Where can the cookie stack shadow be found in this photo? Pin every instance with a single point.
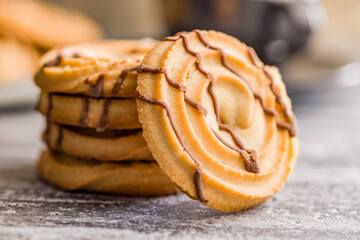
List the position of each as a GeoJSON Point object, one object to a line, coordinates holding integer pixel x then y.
{"type": "Point", "coordinates": [93, 136]}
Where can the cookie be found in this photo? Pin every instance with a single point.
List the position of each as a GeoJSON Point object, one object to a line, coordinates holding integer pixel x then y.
{"type": "Point", "coordinates": [126, 178]}
{"type": "Point", "coordinates": [218, 122]}
{"type": "Point", "coordinates": [102, 49]}
{"type": "Point", "coordinates": [18, 61]}
{"type": "Point", "coordinates": [45, 24]}
{"type": "Point", "coordinates": [100, 69]}
{"type": "Point", "coordinates": [82, 111]}
{"type": "Point", "coordinates": [108, 145]}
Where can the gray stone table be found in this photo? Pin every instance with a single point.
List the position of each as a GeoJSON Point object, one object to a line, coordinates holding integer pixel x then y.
{"type": "Point", "coordinates": [320, 201]}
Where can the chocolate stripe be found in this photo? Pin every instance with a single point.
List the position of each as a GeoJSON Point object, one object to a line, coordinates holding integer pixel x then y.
{"type": "Point", "coordinates": [85, 110]}
{"type": "Point", "coordinates": [198, 174]}
{"type": "Point", "coordinates": [57, 146]}
{"type": "Point", "coordinates": [50, 105]}
{"type": "Point", "coordinates": [249, 163]}
{"type": "Point", "coordinates": [178, 85]}
{"type": "Point", "coordinates": [267, 110]}
{"type": "Point", "coordinates": [196, 105]}
{"type": "Point", "coordinates": [96, 89]}
{"type": "Point", "coordinates": [172, 82]}
{"type": "Point", "coordinates": [55, 62]}
{"type": "Point", "coordinates": [121, 79]}
{"type": "Point", "coordinates": [104, 114]}
{"type": "Point", "coordinates": [106, 134]}
{"type": "Point", "coordinates": [291, 127]}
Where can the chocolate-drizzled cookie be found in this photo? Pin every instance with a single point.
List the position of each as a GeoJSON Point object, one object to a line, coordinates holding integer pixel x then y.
{"type": "Point", "coordinates": [218, 121]}
{"type": "Point", "coordinates": [99, 69]}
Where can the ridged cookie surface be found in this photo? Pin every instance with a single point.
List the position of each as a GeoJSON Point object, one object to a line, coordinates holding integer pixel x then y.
{"type": "Point", "coordinates": [218, 121]}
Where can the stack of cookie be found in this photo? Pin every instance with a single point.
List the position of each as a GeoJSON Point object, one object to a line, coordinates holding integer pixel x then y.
{"type": "Point", "coordinates": [215, 118]}
{"type": "Point", "coordinates": [93, 135]}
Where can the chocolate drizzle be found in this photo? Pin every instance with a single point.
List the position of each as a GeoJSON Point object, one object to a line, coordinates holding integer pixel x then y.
{"type": "Point", "coordinates": [247, 156]}
{"type": "Point", "coordinates": [172, 82]}
{"type": "Point", "coordinates": [50, 105]}
{"type": "Point", "coordinates": [198, 106]}
{"type": "Point", "coordinates": [96, 89]}
{"type": "Point", "coordinates": [290, 126]}
{"type": "Point", "coordinates": [121, 78]}
{"type": "Point", "coordinates": [106, 134]}
{"type": "Point", "coordinates": [96, 92]}
{"type": "Point", "coordinates": [76, 55]}
{"type": "Point", "coordinates": [58, 140]}
{"type": "Point", "coordinates": [104, 115]}
{"type": "Point", "coordinates": [85, 110]}
{"type": "Point", "coordinates": [198, 167]}
{"type": "Point", "coordinates": [55, 62]}
{"type": "Point", "coordinates": [57, 146]}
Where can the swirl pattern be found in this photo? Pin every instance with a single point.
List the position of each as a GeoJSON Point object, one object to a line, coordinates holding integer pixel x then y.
{"type": "Point", "coordinates": [233, 144]}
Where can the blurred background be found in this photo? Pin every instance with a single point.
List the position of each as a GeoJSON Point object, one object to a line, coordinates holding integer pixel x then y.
{"type": "Point", "coordinates": [315, 43]}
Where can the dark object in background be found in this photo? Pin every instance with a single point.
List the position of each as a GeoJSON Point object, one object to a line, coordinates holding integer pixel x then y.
{"type": "Point", "coordinates": [275, 28]}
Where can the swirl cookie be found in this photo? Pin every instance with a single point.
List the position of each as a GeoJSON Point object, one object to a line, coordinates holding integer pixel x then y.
{"type": "Point", "coordinates": [218, 122]}
{"type": "Point", "coordinates": [82, 111]}
{"type": "Point", "coordinates": [99, 69]}
{"type": "Point", "coordinates": [130, 179]}
{"type": "Point", "coordinates": [46, 25]}
{"type": "Point", "coordinates": [108, 145]}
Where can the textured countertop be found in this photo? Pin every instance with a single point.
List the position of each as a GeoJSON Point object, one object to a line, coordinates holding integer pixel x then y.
{"type": "Point", "coordinates": [320, 201]}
